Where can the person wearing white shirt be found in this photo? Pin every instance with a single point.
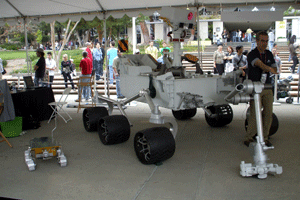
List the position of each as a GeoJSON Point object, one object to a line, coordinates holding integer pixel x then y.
{"type": "Point", "coordinates": [50, 66]}
{"type": "Point", "coordinates": [271, 40]}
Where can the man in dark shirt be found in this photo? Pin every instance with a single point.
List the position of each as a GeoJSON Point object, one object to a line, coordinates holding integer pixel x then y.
{"type": "Point", "coordinates": [39, 67]}
{"type": "Point", "coordinates": [260, 63]}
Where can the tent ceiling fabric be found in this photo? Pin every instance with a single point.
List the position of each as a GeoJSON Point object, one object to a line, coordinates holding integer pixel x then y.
{"type": "Point", "coordinates": [61, 10]}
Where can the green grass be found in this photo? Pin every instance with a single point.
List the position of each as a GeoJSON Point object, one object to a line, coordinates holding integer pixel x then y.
{"type": "Point", "coordinates": [10, 55]}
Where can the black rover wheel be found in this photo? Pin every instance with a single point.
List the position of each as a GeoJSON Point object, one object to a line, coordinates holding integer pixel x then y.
{"type": "Point", "coordinates": [184, 114]}
{"type": "Point", "coordinates": [274, 125]}
{"type": "Point", "coordinates": [289, 100]}
{"type": "Point", "coordinates": [154, 145]}
{"type": "Point", "coordinates": [113, 129]}
{"type": "Point", "coordinates": [91, 117]}
{"type": "Point", "coordinates": [222, 115]}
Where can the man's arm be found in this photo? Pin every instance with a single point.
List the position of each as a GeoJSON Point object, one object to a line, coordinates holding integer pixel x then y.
{"type": "Point", "coordinates": [264, 67]}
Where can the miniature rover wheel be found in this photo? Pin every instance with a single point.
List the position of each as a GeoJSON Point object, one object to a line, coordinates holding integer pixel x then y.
{"type": "Point", "coordinates": [113, 129]}
{"type": "Point", "coordinates": [154, 145]}
{"type": "Point", "coordinates": [289, 100]}
{"type": "Point", "coordinates": [91, 117]}
{"type": "Point", "coordinates": [184, 114]}
{"type": "Point", "coordinates": [274, 126]}
{"type": "Point", "coordinates": [223, 115]}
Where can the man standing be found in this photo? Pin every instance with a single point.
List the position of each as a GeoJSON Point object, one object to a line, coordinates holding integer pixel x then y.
{"type": "Point", "coordinates": [116, 67]}
{"type": "Point", "coordinates": [260, 63]}
{"type": "Point", "coordinates": [239, 35]}
{"type": "Point", "coordinates": [164, 47]}
{"type": "Point", "coordinates": [97, 57]}
{"type": "Point", "coordinates": [112, 52]}
{"type": "Point", "coordinates": [86, 71]}
{"type": "Point", "coordinates": [239, 61]}
{"type": "Point", "coordinates": [249, 32]}
{"type": "Point", "coordinates": [271, 40]}
{"type": "Point", "coordinates": [39, 67]}
{"type": "Point", "coordinates": [152, 50]}
{"type": "Point", "coordinates": [50, 66]}
{"type": "Point", "coordinates": [88, 50]}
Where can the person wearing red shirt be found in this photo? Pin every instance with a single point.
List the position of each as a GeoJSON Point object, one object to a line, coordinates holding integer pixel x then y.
{"type": "Point", "coordinates": [88, 50]}
{"type": "Point", "coordinates": [86, 71]}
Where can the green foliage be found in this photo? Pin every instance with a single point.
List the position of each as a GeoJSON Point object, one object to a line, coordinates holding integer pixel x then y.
{"type": "Point", "coordinates": [30, 38]}
{"type": "Point", "coordinates": [44, 27]}
{"type": "Point", "coordinates": [39, 36]}
{"type": "Point", "coordinates": [23, 70]}
{"type": "Point", "coordinates": [45, 38]}
{"type": "Point", "coordinates": [4, 63]}
{"type": "Point", "coordinates": [10, 46]}
{"type": "Point", "coordinates": [9, 55]}
{"type": "Point", "coordinates": [207, 39]}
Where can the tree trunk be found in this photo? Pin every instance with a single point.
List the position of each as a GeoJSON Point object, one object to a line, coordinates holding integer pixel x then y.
{"type": "Point", "coordinates": [100, 33]}
{"type": "Point", "coordinates": [145, 32]}
{"type": "Point", "coordinates": [78, 38]}
{"type": "Point", "coordinates": [65, 40]}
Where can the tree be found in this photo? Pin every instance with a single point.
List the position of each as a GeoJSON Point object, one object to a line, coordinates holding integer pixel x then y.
{"type": "Point", "coordinates": [64, 41]}
{"type": "Point", "coordinates": [39, 36]}
{"type": "Point", "coordinates": [141, 20]}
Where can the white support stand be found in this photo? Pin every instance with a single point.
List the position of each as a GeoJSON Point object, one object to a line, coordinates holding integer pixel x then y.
{"type": "Point", "coordinates": [260, 166]}
{"type": "Point", "coordinates": [276, 103]}
{"type": "Point", "coordinates": [298, 103]}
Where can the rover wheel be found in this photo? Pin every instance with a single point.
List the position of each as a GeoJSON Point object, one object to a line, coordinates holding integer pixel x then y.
{"type": "Point", "coordinates": [113, 129]}
{"type": "Point", "coordinates": [289, 100]}
{"type": "Point", "coordinates": [274, 125]}
{"type": "Point", "coordinates": [154, 145]}
{"type": "Point", "coordinates": [222, 115]}
{"type": "Point", "coordinates": [91, 117]}
{"type": "Point", "coordinates": [184, 114]}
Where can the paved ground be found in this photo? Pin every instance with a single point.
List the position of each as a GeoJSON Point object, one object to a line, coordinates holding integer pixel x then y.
{"type": "Point", "coordinates": [205, 164]}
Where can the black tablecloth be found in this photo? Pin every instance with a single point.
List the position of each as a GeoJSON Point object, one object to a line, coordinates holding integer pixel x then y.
{"type": "Point", "coordinates": [33, 103]}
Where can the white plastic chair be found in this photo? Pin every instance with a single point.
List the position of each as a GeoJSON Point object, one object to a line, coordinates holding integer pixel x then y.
{"type": "Point", "coordinates": [58, 106]}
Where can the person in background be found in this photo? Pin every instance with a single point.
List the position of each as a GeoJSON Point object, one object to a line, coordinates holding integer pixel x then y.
{"type": "Point", "coordinates": [88, 50]}
{"type": "Point", "coordinates": [279, 65]}
{"type": "Point", "coordinates": [219, 60]}
{"type": "Point", "coordinates": [102, 60]}
{"type": "Point", "coordinates": [224, 37]}
{"type": "Point", "coordinates": [97, 57]}
{"type": "Point", "coordinates": [293, 54]}
{"type": "Point", "coordinates": [86, 71]}
{"type": "Point", "coordinates": [239, 35]}
{"type": "Point", "coordinates": [137, 51]}
{"type": "Point", "coordinates": [161, 59]}
{"type": "Point", "coordinates": [39, 67]}
{"type": "Point", "coordinates": [112, 53]}
{"type": "Point", "coordinates": [66, 70]}
{"type": "Point", "coordinates": [249, 32]}
{"type": "Point", "coordinates": [152, 50]}
{"type": "Point", "coordinates": [164, 47]}
{"type": "Point", "coordinates": [253, 41]}
{"type": "Point", "coordinates": [260, 63]}
{"type": "Point", "coordinates": [229, 54]}
{"type": "Point", "coordinates": [50, 66]}
{"type": "Point", "coordinates": [239, 60]}
{"type": "Point", "coordinates": [73, 66]}
{"type": "Point", "coordinates": [271, 40]}
{"type": "Point", "coordinates": [116, 67]}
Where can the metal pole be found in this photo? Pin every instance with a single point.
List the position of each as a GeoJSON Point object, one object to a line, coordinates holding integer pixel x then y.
{"type": "Point", "coordinates": [106, 84]}
{"type": "Point", "coordinates": [298, 88]}
{"type": "Point", "coordinates": [275, 103]}
{"type": "Point", "coordinates": [26, 45]}
{"type": "Point", "coordinates": [198, 36]}
{"type": "Point", "coordinates": [133, 35]}
{"type": "Point", "coordinates": [257, 103]}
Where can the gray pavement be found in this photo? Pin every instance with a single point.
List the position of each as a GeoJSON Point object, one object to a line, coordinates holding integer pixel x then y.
{"type": "Point", "coordinates": [204, 166]}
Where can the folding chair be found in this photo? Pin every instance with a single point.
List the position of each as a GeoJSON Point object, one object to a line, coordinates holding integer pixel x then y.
{"type": "Point", "coordinates": [80, 86]}
{"type": "Point", "coordinates": [58, 106]}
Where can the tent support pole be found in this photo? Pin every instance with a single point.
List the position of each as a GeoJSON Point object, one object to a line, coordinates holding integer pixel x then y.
{"type": "Point", "coordinates": [107, 93]}
{"type": "Point", "coordinates": [133, 35]}
{"type": "Point", "coordinates": [26, 45]}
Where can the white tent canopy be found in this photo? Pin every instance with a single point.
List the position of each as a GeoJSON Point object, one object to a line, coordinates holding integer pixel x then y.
{"type": "Point", "coordinates": [61, 10]}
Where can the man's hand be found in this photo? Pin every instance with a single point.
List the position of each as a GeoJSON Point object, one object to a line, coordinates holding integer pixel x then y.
{"type": "Point", "coordinates": [273, 70]}
{"type": "Point", "coordinates": [35, 67]}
